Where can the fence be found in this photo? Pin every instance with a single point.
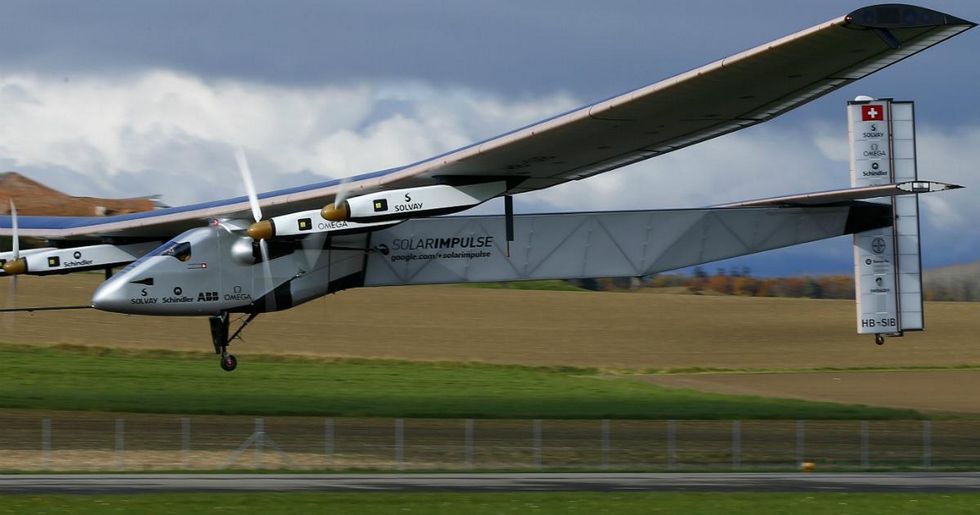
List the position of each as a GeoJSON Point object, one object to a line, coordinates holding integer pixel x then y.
{"type": "Point", "coordinates": [80, 441]}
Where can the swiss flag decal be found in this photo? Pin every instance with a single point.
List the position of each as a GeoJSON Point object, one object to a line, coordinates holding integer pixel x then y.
{"type": "Point", "coordinates": [872, 113]}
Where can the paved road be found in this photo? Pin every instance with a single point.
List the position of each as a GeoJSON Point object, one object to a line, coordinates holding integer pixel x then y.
{"type": "Point", "coordinates": [654, 482]}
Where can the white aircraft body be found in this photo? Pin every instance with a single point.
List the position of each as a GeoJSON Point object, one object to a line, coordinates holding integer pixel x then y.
{"type": "Point", "coordinates": [272, 251]}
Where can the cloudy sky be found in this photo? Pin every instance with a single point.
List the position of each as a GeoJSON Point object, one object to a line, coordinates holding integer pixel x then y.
{"type": "Point", "coordinates": [124, 98]}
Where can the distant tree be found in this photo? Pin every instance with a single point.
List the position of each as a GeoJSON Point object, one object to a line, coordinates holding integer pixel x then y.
{"type": "Point", "coordinates": [621, 283]}
{"type": "Point", "coordinates": [837, 287]}
{"type": "Point", "coordinates": [745, 286]}
{"type": "Point", "coordinates": [669, 280]}
{"type": "Point", "coordinates": [935, 292]}
{"type": "Point", "coordinates": [720, 283]}
{"type": "Point", "coordinates": [698, 280]}
{"type": "Point", "coordinates": [763, 289]}
{"type": "Point", "coordinates": [812, 289]}
{"type": "Point", "coordinates": [966, 291]}
{"type": "Point", "coordinates": [788, 287]}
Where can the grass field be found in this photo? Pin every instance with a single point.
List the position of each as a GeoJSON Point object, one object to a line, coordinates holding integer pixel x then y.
{"type": "Point", "coordinates": [587, 330]}
{"type": "Point", "coordinates": [446, 353]}
{"type": "Point", "coordinates": [169, 382]}
{"type": "Point", "coordinates": [501, 503]}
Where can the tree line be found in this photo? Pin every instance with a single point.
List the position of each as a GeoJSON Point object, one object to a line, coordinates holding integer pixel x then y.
{"type": "Point", "coordinates": [739, 281]}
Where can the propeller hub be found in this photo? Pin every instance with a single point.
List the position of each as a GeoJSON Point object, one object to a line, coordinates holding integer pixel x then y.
{"type": "Point", "coordinates": [15, 266]}
{"type": "Point", "coordinates": [336, 213]}
{"type": "Point", "coordinates": [262, 230]}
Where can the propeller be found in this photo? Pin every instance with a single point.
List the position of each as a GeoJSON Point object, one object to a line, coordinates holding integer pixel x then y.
{"type": "Point", "coordinates": [14, 265]}
{"type": "Point", "coordinates": [262, 229]}
{"type": "Point", "coordinates": [257, 231]}
{"type": "Point", "coordinates": [339, 210]}
{"type": "Point", "coordinates": [253, 198]}
{"type": "Point", "coordinates": [15, 242]}
{"type": "Point", "coordinates": [341, 192]}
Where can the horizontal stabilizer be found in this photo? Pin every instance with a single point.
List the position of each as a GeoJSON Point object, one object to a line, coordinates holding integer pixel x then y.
{"type": "Point", "coordinates": [848, 194]}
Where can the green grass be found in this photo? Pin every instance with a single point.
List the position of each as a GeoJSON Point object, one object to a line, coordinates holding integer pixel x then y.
{"type": "Point", "coordinates": [79, 378]}
{"type": "Point", "coordinates": [500, 503]}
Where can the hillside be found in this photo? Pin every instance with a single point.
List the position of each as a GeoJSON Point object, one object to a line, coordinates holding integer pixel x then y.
{"type": "Point", "coordinates": [34, 198]}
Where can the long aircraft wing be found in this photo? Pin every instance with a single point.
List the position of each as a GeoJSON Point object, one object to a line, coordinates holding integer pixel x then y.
{"type": "Point", "coordinates": [735, 92]}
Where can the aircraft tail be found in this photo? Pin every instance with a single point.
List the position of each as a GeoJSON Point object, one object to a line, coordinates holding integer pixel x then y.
{"type": "Point", "coordinates": [887, 260]}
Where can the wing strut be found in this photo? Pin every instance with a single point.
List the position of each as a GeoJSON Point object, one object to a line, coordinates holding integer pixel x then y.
{"type": "Point", "coordinates": [43, 308]}
{"type": "Point", "coordinates": [509, 220]}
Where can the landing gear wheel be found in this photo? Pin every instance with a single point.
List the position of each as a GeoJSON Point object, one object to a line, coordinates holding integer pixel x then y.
{"type": "Point", "coordinates": [221, 339]}
{"type": "Point", "coordinates": [879, 339]}
{"type": "Point", "coordinates": [228, 362]}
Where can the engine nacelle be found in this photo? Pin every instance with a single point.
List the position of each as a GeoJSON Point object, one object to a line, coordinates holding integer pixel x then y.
{"type": "Point", "coordinates": [307, 222]}
{"type": "Point", "coordinates": [405, 203]}
{"type": "Point", "coordinates": [6, 257]}
{"type": "Point", "coordinates": [76, 259]}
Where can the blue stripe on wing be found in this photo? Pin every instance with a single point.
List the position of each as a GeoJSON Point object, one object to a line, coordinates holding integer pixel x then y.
{"type": "Point", "coordinates": [73, 222]}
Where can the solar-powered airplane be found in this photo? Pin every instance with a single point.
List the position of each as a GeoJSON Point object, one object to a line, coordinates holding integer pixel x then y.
{"type": "Point", "coordinates": [272, 251]}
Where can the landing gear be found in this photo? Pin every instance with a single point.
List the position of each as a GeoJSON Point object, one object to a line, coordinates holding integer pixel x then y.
{"type": "Point", "coordinates": [219, 337]}
{"type": "Point", "coordinates": [879, 339]}
{"type": "Point", "coordinates": [228, 362]}
{"type": "Point", "coordinates": [221, 340]}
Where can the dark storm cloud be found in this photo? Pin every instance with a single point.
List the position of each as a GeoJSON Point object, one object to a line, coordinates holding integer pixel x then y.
{"type": "Point", "coordinates": [588, 48]}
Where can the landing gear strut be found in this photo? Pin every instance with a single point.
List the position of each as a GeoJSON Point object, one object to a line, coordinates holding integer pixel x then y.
{"type": "Point", "coordinates": [221, 340]}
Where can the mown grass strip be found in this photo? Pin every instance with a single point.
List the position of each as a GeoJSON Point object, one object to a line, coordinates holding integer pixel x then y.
{"type": "Point", "coordinates": [154, 382]}
{"type": "Point", "coordinates": [499, 503]}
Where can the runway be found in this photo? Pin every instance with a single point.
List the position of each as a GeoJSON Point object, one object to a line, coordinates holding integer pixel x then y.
{"type": "Point", "coordinates": [620, 482]}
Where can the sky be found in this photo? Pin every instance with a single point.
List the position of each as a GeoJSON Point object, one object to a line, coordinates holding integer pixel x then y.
{"type": "Point", "coordinates": [130, 98]}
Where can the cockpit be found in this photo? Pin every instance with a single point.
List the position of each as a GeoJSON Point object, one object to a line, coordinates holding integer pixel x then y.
{"type": "Point", "coordinates": [162, 281]}
{"type": "Point", "coordinates": [180, 250]}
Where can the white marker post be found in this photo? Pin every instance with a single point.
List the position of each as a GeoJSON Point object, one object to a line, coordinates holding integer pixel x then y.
{"type": "Point", "coordinates": [888, 285]}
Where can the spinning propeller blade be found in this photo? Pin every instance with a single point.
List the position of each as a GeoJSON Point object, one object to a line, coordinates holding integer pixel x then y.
{"type": "Point", "coordinates": [253, 201]}
{"type": "Point", "coordinates": [341, 192]}
{"type": "Point", "coordinates": [253, 198]}
{"type": "Point", "coordinates": [8, 319]}
{"type": "Point", "coordinates": [338, 210]}
{"type": "Point", "coordinates": [14, 230]}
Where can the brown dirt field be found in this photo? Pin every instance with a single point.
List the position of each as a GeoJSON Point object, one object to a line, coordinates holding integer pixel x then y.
{"type": "Point", "coordinates": [927, 390]}
{"type": "Point", "coordinates": [611, 330]}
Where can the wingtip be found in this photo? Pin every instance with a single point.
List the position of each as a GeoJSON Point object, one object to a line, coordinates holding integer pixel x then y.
{"type": "Point", "coordinates": [902, 16]}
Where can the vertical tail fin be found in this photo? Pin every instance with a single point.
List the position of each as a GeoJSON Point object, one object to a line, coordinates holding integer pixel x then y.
{"type": "Point", "coordinates": [887, 264]}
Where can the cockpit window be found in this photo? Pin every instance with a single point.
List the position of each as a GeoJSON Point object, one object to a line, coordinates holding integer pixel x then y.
{"type": "Point", "coordinates": [181, 251]}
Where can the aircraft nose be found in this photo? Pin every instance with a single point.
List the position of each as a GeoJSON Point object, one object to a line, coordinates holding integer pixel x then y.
{"type": "Point", "coordinates": [111, 296]}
